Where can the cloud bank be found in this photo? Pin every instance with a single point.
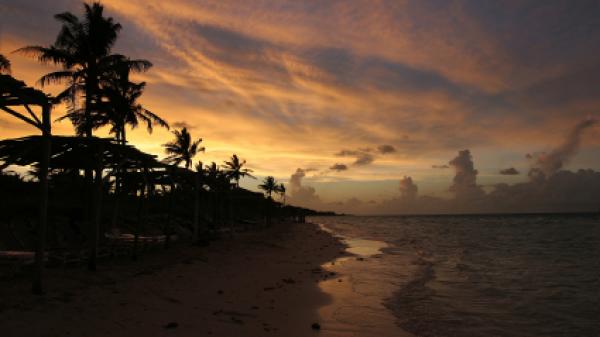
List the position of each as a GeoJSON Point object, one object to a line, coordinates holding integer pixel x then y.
{"type": "Point", "coordinates": [549, 188]}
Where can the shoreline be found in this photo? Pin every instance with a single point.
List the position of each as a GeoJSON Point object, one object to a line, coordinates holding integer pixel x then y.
{"type": "Point", "coordinates": [254, 284]}
{"type": "Point", "coordinates": [358, 297]}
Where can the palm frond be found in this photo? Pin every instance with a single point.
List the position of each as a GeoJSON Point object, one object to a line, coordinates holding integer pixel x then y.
{"type": "Point", "coordinates": [4, 65]}
{"type": "Point", "coordinates": [56, 77]}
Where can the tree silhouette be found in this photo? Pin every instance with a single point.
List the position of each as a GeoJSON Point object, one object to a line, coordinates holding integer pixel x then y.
{"type": "Point", "coordinates": [219, 184]}
{"type": "Point", "coordinates": [82, 48]}
{"type": "Point", "coordinates": [121, 107]}
{"type": "Point", "coordinates": [216, 179]}
{"type": "Point", "coordinates": [234, 168]}
{"type": "Point", "coordinates": [4, 65]}
{"type": "Point", "coordinates": [269, 185]}
{"type": "Point", "coordinates": [182, 149]}
{"type": "Point", "coordinates": [281, 190]}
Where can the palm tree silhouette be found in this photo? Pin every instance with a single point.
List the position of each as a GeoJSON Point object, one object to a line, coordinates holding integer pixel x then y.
{"type": "Point", "coordinates": [269, 185]}
{"type": "Point", "coordinates": [4, 65]}
{"type": "Point", "coordinates": [234, 168]}
{"type": "Point", "coordinates": [182, 149]}
{"type": "Point", "coordinates": [281, 190]}
{"type": "Point", "coordinates": [219, 183]}
{"type": "Point", "coordinates": [82, 48]}
{"type": "Point", "coordinates": [122, 108]}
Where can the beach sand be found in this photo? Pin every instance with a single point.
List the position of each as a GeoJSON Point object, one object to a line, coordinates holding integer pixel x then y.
{"type": "Point", "coordinates": [256, 284]}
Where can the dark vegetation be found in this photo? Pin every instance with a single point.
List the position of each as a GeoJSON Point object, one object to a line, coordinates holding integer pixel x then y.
{"type": "Point", "coordinates": [86, 198]}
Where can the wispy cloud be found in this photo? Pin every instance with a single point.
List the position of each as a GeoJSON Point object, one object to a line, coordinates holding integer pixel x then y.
{"type": "Point", "coordinates": [289, 82]}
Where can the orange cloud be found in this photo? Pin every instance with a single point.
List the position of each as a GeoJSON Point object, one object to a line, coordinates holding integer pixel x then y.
{"type": "Point", "coordinates": [288, 84]}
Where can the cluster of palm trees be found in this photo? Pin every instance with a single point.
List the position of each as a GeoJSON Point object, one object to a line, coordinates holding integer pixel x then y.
{"type": "Point", "coordinates": [100, 93]}
{"type": "Point", "coordinates": [270, 186]}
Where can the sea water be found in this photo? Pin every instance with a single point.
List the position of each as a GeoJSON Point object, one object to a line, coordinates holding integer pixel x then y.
{"type": "Point", "coordinates": [493, 275]}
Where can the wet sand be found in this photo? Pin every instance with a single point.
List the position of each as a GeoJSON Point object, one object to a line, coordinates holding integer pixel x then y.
{"type": "Point", "coordinates": [356, 307]}
{"type": "Point", "coordinates": [255, 284]}
{"type": "Point", "coordinates": [276, 282]}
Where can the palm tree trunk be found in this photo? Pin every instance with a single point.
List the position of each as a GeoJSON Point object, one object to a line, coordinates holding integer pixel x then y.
{"type": "Point", "coordinates": [167, 227]}
{"type": "Point", "coordinates": [115, 217]}
{"type": "Point", "coordinates": [215, 210]}
{"type": "Point", "coordinates": [269, 210]}
{"type": "Point", "coordinates": [97, 214]}
{"type": "Point", "coordinates": [90, 85]}
{"type": "Point", "coordinates": [40, 250]}
{"type": "Point", "coordinates": [230, 214]}
{"type": "Point", "coordinates": [169, 215]}
{"type": "Point", "coordinates": [196, 234]}
{"type": "Point", "coordinates": [140, 218]}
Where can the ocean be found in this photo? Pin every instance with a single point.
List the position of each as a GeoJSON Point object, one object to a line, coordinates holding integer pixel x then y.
{"type": "Point", "coordinates": [490, 275]}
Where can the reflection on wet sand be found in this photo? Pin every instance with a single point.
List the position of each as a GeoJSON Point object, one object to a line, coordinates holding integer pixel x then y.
{"type": "Point", "coordinates": [356, 307]}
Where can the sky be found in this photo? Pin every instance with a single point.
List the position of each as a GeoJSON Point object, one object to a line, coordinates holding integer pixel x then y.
{"type": "Point", "coordinates": [364, 106]}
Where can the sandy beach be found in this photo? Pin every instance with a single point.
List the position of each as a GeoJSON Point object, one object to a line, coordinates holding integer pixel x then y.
{"type": "Point", "coordinates": [254, 284]}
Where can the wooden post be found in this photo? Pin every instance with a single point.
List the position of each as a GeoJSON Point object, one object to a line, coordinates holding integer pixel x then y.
{"type": "Point", "coordinates": [40, 249]}
{"type": "Point", "coordinates": [140, 218]}
{"type": "Point", "coordinates": [196, 233]}
{"type": "Point", "coordinates": [95, 232]}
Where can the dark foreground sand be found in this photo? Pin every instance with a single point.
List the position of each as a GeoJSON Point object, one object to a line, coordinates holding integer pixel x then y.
{"type": "Point", "coordinates": [255, 284]}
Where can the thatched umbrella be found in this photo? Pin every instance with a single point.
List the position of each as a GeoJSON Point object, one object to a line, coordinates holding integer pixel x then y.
{"type": "Point", "coordinates": [79, 153]}
{"type": "Point", "coordinates": [14, 93]}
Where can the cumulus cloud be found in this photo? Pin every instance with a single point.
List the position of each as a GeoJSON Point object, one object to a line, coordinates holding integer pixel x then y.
{"type": "Point", "coordinates": [551, 162]}
{"type": "Point", "coordinates": [305, 196]}
{"type": "Point", "coordinates": [564, 191]}
{"type": "Point", "coordinates": [408, 189]}
{"type": "Point", "coordinates": [511, 171]}
{"type": "Point", "coordinates": [339, 167]}
{"type": "Point", "coordinates": [464, 183]}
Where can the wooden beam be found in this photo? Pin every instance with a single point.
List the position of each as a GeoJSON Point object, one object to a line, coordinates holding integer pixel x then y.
{"type": "Point", "coordinates": [21, 117]}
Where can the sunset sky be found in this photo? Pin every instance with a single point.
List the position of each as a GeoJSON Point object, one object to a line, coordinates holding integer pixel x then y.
{"type": "Point", "coordinates": [352, 96]}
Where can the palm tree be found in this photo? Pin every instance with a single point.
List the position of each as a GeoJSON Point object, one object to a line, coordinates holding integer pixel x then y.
{"type": "Point", "coordinates": [281, 190]}
{"type": "Point", "coordinates": [269, 185]}
{"type": "Point", "coordinates": [117, 104]}
{"type": "Point", "coordinates": [4, 65]}
{"type": "Point", "coordinates": [122, 107]}
{"type": "Point", "coordinates": [234, 168]}
{"type": "Point", "coordinates": [82, 48]}
{"type": "Point", "coordinates": [182, 149]}
{"type": "Point", "coordinates": [219, 183]}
